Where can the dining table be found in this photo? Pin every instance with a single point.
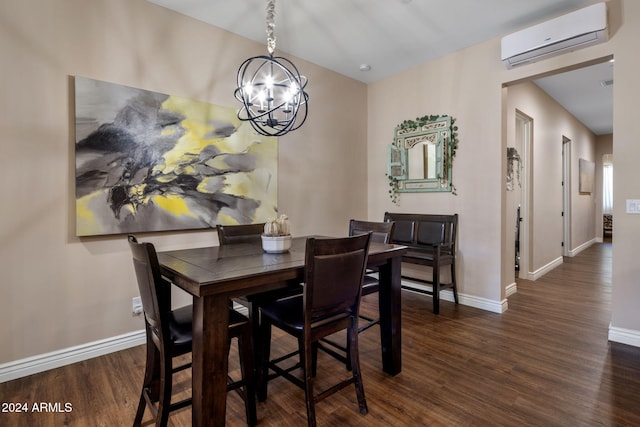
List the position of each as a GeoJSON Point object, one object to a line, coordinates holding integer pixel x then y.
{"type": "Point", "coordinates": [214, 275]}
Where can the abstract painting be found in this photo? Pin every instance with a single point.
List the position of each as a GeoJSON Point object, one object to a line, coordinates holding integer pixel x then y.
{"type": "Point", "coordinates": [146, 161]}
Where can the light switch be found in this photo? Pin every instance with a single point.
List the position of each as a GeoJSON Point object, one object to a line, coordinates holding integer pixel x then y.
{"type": "Point", "coordinates": [136, 303]}
{"type": "Point", "coordinates": [633, 206]}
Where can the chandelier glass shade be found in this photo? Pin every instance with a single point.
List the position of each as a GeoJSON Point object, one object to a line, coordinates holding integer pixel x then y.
{"type": "Point", "coordinates": [271, 90]}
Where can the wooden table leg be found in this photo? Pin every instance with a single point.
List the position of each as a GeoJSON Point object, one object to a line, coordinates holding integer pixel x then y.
{"type": "Point", "coordinates": [210, 360]}
{"type": "Point", "coordinates": [390, 306]}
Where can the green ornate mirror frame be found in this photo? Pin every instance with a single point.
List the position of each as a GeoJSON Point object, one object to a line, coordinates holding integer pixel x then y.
{"type": "Point", "coordinates": [421, 156]}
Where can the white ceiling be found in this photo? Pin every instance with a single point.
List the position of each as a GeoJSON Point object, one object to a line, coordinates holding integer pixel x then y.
{"type": "Point", "coordinates": [393, 35]}
{"type": "Point", "coordinates": [587, 93]}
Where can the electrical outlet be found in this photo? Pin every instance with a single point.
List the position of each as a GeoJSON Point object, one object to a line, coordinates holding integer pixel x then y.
{"type": "Point", "coordinates": [136, 304]}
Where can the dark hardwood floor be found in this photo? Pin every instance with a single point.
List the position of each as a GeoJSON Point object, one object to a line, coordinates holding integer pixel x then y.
{"type": "Point", "coordinates": [544, 362]}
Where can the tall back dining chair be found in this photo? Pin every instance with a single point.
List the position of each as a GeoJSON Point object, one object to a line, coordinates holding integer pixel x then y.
{"type": "Point", "coordinates": [381, 232]}
{"type": "Point", "coordinates": [250, 233]}
{"type": "Point", "coordinates": [244, 233]}
{"type": "Point", "coordinates": [334, 269]}
{"type": "Point", "coordinates": [169, 334]}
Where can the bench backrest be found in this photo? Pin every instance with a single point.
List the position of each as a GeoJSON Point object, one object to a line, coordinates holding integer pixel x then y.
{"type": "Point", "coordinates": [424, 230]}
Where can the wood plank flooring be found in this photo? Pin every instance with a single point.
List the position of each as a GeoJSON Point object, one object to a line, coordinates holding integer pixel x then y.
{"type": "Point", "coordinates": [544, 362]}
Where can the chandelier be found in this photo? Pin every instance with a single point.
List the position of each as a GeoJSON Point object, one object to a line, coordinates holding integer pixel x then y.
{"type": "Point", "coordinates": [271, 89]}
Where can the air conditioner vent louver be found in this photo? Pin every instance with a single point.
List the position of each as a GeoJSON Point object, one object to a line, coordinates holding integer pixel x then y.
{"type": "Point", "coordinates": [576, 30]}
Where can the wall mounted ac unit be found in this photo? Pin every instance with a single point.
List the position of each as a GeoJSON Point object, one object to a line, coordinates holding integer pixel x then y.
{"type": "Point", "coordinates": [582, 28]}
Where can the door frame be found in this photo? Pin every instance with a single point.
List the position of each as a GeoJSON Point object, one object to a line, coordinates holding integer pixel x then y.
{"type": "Point", "coordinates": [566, 196]}
{"type": "Point", "coordinates": [524, 125]}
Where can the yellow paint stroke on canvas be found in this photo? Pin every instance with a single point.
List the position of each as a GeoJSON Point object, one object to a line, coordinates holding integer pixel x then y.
{"type": "Point", "coordinates": [224, 218]}
{"type": "Point", "coordinates": [173, 204]}
{"type": "Point", "coordinates": [198, 127]}
{"type": "Point", "coordinates": [85, 218]}
{"type": "Point", "coordinates": [236, 184]}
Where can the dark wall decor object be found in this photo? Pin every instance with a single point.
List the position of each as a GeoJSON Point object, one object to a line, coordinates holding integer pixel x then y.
{"type": "Point", "coordinates": [421, 156]}
{"type": "Point", "coordinates": [147, 161]}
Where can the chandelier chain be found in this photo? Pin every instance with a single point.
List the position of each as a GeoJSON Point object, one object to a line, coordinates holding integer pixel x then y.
{"type": "Point", "coordinates": [271, 38]}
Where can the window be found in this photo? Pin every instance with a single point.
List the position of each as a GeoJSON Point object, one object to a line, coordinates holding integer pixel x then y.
{"type": "Point", "coordinates": [607, 184]}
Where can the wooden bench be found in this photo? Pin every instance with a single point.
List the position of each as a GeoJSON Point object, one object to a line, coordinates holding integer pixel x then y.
{"type": "Point", "coordinates": [431, 241]}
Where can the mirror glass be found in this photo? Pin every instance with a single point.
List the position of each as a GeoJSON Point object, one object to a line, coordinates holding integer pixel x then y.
{"type": "Point", "coordinates": [422, 161]}
{"type": "Point", "coordinates": [421, 154]}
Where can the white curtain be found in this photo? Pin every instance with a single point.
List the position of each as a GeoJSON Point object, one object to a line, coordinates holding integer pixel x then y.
{"type": "Point", "coordinates": [607, 185]}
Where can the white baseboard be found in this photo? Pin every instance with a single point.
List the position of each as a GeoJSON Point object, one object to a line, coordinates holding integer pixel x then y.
{"type": "Point", "coordinates": [535, 275]}
{"type": "Point", "coordinates": [582, 247]}
{"type": "Point", "coordinates": [511, 289]}
{"type": "Point", "coordinates": [43, 362]}
{"type": "Point", "coordinates": [624, 336]}
{"type": "Point", "coordinates": [472, 301]}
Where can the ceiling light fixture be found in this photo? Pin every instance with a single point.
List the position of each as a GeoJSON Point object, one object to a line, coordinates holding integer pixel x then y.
{"type": "Point", "coordinates": [271, 89]}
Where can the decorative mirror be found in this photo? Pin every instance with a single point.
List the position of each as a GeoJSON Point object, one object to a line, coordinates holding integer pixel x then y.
{"type": "Point", "coordinates": [421, 156]}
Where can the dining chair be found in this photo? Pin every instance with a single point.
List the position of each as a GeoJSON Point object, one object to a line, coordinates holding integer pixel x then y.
{"type": "Point", "coordinates": [251, 233]}
{"type": "Point", "coordinates": [243, 233]}
{"type": "Point", "coordinates": [381, 232]}
{"type": "Point", "coordinates": [169, 335]}
{"type": "Point", "coordinates": [334, 270]}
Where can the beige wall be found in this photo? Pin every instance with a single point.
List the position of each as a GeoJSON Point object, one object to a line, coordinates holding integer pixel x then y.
{"type": "Point", "coordinates": [59, 291]}
{"type": "Point", "coordinates": [465, 85]}
{"type": "Point", "coordinates": [468, 85]}
{"type": "Point", "coordinates": [626, 153]}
